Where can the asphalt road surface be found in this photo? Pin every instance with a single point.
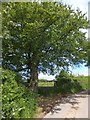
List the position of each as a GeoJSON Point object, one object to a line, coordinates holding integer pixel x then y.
{"type": "Point", "coordinates": [74, 106]}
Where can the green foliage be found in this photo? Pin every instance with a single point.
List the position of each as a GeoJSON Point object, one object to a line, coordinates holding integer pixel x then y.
{"type": "Point", "coordinates": [46, 91]}
{"type": "Point", "coordinates": [0, 95]}
{"type": "Point", "coordinates": [84, 81]}
{"type": "Point", "coordinates": [67, 84]}
{"type": "Point", "coordinates": [64, 84]}
{"type": "Point", "coordinates": [63, 74]}
{"type": "Point", "coordinates": [18, 101]}
{"type": "Point", "coordinates": [46, 34]}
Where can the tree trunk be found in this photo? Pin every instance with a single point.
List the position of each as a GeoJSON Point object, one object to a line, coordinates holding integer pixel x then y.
{"type": "Point", "coordinates": [33, 65]}
{"type": "Point", "coordinates": [33, 83]}
{"type": "Point", "coordinates": [34, 79]}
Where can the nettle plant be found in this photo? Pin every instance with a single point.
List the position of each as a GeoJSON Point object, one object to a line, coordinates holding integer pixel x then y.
{"type": "Point", "coordinates": [18, 101]}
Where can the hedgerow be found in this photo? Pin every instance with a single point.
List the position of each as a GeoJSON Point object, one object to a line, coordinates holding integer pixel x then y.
{"type": "Point", "coordinates": [17, 100]}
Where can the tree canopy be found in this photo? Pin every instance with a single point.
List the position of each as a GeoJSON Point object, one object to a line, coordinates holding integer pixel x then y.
{"type": "Point", "coordinates": [42, 37]}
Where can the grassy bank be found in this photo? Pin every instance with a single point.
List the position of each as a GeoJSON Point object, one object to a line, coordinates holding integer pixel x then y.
{"type": "Point", "coordinates": [84, 81]}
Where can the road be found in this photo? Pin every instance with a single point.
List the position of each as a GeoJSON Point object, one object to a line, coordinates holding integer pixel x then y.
{"type": "Point", "coordinates": [74, 106]}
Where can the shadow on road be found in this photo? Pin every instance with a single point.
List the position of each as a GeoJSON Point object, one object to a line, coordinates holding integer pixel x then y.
{"type": "Point", "coordinates": [48, 104]}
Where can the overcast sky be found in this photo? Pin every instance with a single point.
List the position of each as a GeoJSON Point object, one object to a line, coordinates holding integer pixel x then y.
{"type": "Point", "coordinates": [83, 6]}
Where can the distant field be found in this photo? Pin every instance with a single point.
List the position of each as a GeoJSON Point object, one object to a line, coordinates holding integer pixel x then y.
{"type": "Point", "coordinates": [45, 84]}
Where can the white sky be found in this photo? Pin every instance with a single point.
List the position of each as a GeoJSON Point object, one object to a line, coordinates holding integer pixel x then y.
{"type": "Point", "coordinates": [83, 6]}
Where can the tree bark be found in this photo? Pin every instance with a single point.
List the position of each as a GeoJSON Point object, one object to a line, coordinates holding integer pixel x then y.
{"type": "Point", "coordinates": [33, 62]}
{"type": "Point", "coordinates": [34, 78]}
{"type": "Point", "coordinates": [33, 81]}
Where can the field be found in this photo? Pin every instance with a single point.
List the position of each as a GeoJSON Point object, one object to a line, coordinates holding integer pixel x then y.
{"type": "Point", "coordinates": [45, 84]}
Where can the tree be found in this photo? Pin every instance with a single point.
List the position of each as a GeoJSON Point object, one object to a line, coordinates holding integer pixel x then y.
{"type": "Point", "coordinates": [42, 37]}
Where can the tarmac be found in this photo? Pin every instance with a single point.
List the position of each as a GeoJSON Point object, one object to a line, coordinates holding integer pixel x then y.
{"type": "Point", "coordinates": [74, 106]}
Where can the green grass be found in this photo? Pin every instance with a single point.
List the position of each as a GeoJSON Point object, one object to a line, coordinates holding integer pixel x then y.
{"type": "Point", "coordinates": [45, 84]}
{"type": "Point", "coordinates": [84, 81]}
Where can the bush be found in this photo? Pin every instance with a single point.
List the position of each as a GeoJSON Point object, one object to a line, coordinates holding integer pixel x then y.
{"type": "Point", "coordinates": [18, 101]}
{"type": "Point", "coordinates": [66, 83]}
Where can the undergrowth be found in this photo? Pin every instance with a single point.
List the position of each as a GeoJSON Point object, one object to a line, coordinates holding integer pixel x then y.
{"type": "Point", "coordinates": [18, 101]}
